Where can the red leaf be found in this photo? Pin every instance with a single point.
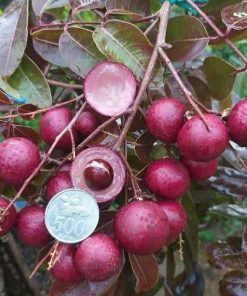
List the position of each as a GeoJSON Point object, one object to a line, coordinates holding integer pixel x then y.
{"type": "Point", "coordinates": [146, 271]}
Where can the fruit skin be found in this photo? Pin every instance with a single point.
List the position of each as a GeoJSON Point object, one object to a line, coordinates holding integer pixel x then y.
{"type": "Point", "coordinates": [197, 143]}
{"type": "Point", "coordinates": [167, 178]}
{"type": "Point", "coordinates": [98, 257]}
{"type": "Point", "coordinates": [141, 227]}
{"type": "Point", "coordinates": [31, 227]}
{"type": "Point", "coordinates": [165, 118]}
{"type": "Point", "coordinates": [86, 123]}
{"type": "Point", "coordinates": [58, 183]}
{"type": "Point", "coordinates": [9, 220]}
{"type": "Point", "coordinates": [200, 170]}
{"type": "Point", "coordinates": [237, 123]}
{"type": "Point", "coordinates": [64, 269]}
{"type": "Point", "coordinates": [18, 159]}
{"type": "Point", "coordinates": [176, 216]}
{"type": "Point", "coordinates": [98, 174]}
{"type": "Point", "coordinates": [53, 123]}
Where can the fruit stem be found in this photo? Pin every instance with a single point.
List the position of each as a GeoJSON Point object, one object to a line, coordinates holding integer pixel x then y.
{"type": "Point", "coordinates": [186, 92]}
{"type": "Point", "coordinates": [218, 31]}
{"type": "Point", "coordinates": [43, 260]}
{"type": "Point", "coordinates": [163, 17]}
{"type": "Point", "coordinates": [65, 85]}
{"type": "Point", "coordinates": [135, 185]}
{"type": "Point", "coordinates": [37, 169]}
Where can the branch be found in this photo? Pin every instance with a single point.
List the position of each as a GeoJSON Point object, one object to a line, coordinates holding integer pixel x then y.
{"type": "Point", "coordinates": [40, 111]}
{"type": "Point", "coordinates": [65, 85]}
{"type": "Point", "coordinates": [186, 92]}
{"type": "Point", "coordinates": [163, 15]}
{"type": "Point", "coordinates": [218, 31]}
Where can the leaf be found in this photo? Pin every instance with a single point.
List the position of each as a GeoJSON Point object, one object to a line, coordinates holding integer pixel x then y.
{"type": "Point", "coordinates": [230, 210]}
{"type": "Point", "coordinates": [125, 43]}
{"type": "Point", "coordinates": [8, 89]}
{"type": "Point", "coordinates": [84, 288]}
{"type": "Point", "coordinates": [229, 181]}
{"type": "Point", "coordinates": [143, 146]}
{"type": "Point", "coordinates": [57, 4]}
{"type": "Point", "coordinates": [226, 254]}
{"type": "Point", "coordinates": [234, 283]}
{"type": "Point", "coordinates": [27, 132]}
{"type": "Point", "coordinates": [107, 137]}
{"type": "Point", "coordinates": [188, 38]}
{"type": "Point", "coordinates": [220, 77]}
{"type": "Point", "coordinates": [138, 7]}
{"type": "Point", "coordinates": [79, 50]}
{"type": "Point", "coordinates": [244, 244]}
{"type": "Point", "coordinates": [235, 16]}
{"type": "Point", "coordinates": [13, 28]}
{"type": "Point", "coordinates": [31, 84]}
{"type": "Point", "coordinates": [46, 43]}
{"type": "Point", "coordinates": [146, 271]}
{"type": "Point", "coordinates": [4, 99]}
{"type": "Point", "coordinates": [26, 109]}
{"type": "Point", "coordinates": [39, 6]}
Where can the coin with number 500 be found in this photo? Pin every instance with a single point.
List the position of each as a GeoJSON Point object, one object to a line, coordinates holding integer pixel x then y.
{"type": "Point", "coordinates": [71, 215]}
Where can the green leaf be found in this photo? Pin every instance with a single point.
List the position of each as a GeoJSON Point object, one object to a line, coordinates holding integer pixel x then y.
{"type": "Point", "coordinates": [220, 77]}
{"type": "Point", "coordinates": [79, 50]}
{"type": "Point", "coordinates": [188, 38]}
{"type": "Point", "coordinates": [137, 7]}
{"type": "Point", "coordinates": [30, 83]}
{"type": "Point", "coordinates": [45, 42]}
{"type": "Point", "coordinates": [13, 28]}
{"type": "Point", "coordinates": [125, 43]}
{"type": "Point", "coordinates": [39, 6]}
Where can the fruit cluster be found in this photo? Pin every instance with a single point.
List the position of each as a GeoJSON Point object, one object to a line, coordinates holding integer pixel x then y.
{"type": "Point", "coordinates": [142, 226]}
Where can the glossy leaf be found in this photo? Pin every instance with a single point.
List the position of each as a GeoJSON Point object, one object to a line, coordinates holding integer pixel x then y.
{"type": "Point", "coordinates": [229, 181]}
{"type": "Point", "coordinates": [8, 89]}
{"type": "Point", "coordinates": [46, 42]}
{"type": "Point", "coordinates": [188, 38]}
{"type": "Point", "coordinates": [226, 253]}
{"type": "Point", "coordinates": [230, 210]}
{"type": "Point", "coordinates": [57, 4]}
{"type": "Point", "coordinates": [4, 99]}
{"type": "Point", "coordinates": [125, 43]}
{"type": "Point", "coordinates": [235, 16]}
{"type": "Point", "coordinates": [13, 28]}
{"type": "Point", "coordinates": [146, 271]}
{"type": "Point", "coordinates": [31, 84]}
{"type": "Point", "coordinates": [137, 7]}
{"type": "Point", "coordinates": [220, 77]}
{"type": "Point", "coordinates": [234, 283]}
{"type": "Point", "coordinates": [26, 109]}
{"type": "Point", "coordinates": [79, 50]}
{"type": "Point", "coordinates": [143, 146]}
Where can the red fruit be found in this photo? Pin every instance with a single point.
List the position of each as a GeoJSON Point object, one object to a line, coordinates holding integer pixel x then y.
{"type": "Point", "coordinates": [53, 123]}
{"type": "Point", "coordinates": [86, 123]}
{"type": "Point", "coordinates": [200, 170]}
{"type": "Point", "coordinates": [58, 183]}
{"type": "Point", "coordinates": [98, 258]}
{"type": "Point", "coordinates": [176, 217]}
{"type": "Point", "coordinates": [165, 118]}
{"type": "Point", "coordinates": [237, 123]}
{"type": "Point", "coordinates": [197, 143]}
{"type": "Point", "coordinates": [31, 227]}
{"type": "Point", "coordinates": [114, 90]}
{"type": "Point", "coordinates": [141, 227]}
{"type": "Point", "coordinates": [167, 178]}
{"type": "Point", "coordinates": [98, 174]}
{"type": "Point", "coordinates": [9, 219]}
{"type": "Point", "coordinates": [64, 269]}
{"type": "Point", "coordinates": [18, 159]}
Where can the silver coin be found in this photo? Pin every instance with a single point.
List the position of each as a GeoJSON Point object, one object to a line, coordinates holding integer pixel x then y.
{"type": "Point", "coordinates": [71, 215]}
